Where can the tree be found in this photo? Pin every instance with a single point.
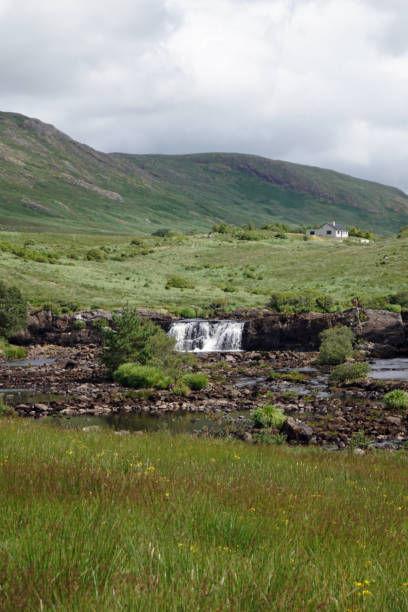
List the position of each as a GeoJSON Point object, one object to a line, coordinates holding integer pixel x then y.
{"type": "Point", "coordinates": [133, 339]}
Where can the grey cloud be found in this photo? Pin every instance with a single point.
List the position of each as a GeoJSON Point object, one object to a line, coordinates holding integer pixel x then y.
{"type": "Point", "coordinates": [313, 81]}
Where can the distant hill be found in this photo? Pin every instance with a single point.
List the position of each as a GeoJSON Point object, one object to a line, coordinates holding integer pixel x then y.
{"type": "Point", "coordinates": [50, 182]}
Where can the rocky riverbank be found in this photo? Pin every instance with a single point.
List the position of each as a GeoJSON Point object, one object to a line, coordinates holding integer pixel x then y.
{"type": "Point", "coordinates": [75, 385]}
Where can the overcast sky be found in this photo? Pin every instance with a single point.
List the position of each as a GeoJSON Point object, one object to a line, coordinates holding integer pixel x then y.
{"type": "Point", "coordinates": [320, 82]}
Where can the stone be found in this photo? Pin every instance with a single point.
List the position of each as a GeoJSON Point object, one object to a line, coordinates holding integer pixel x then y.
{"type": "Point", "coordinates": [297, 431]}
{"type": "Point", "coordinates": [394, 420]}
{"type": "Point", "coordinates": [358, 451]}
{"type": "Point", "coordinates": [91, 428]}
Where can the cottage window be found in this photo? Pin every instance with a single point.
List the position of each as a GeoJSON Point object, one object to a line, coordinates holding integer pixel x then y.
{"type": "Point", "coordinates": [328, 232]}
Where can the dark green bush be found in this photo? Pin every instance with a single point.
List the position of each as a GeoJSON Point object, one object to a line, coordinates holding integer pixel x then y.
{"type": "Point", "coordinates": [268, 416]}
{"type": "Point", "coordinates": [178, 282]}
{"type": "Point", "coordinates": [349, 372]}
{"type": "Point", "coordinates": [13, 310]}
{"type": "Point", "coordinates": [141, 376]}
{"type": "Point", "coordinates": [163, 232]}
{"type": "Point", "coordinates": [336, 345]}
{"type": "Point", "coordinates": [196, 381]}
{"type": "Point", "coordinates": [396, 400]}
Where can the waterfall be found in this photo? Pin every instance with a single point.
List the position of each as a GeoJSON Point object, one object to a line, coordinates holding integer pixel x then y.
{"type": "Point", "coordinates": [207, 336]}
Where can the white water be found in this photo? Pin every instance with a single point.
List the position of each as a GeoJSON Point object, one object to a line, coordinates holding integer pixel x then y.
{"type": "Point", "coordinates": [200, 336]}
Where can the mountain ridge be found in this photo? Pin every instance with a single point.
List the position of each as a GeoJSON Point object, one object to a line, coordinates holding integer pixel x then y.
{"type": "Point", "coordinates": [49, 181]}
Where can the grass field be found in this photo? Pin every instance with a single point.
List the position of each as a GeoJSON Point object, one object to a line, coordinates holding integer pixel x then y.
{"type": "Point", "coordinates": [242, 273]}
{"type": "Point", "coordinates": [97, 521]}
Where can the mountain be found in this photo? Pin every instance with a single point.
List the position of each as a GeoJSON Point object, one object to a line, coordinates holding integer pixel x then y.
{"type": "Point", "coordinates": [48, 181]}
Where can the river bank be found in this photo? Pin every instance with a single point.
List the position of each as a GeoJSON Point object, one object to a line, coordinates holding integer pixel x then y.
{"type": "Point", "coordinates": [65, 383]}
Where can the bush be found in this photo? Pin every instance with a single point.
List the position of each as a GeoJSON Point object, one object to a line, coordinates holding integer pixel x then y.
{"type": "Point", "coordinates": [396, 400]}
{"type": "Point", "coordinates": [134, 339]}
{"type": "Point", "coordinates": [178, 282]}
{"type": "Point", "coordinates": [95, 255]}
{"type": "Point", "coordinates": [349, 372]}
{"type": "Point", "coordinates": [196, 381]}
{"type": "Point", "coordinates": [13, 310]}
{"type": "Point", "coordinates": [163, 232]}
{"type": "Point", "coordinates": [268, 416]}
{"type": "Point", "coordinates": [297, 303]}
{"type": "Point", "coordinates": [141, 376]}
{"type": "Point", "coordinates": [188, 312]}
{"type": "Point", "coordinates": [336, 346]}
{"type": "Point", "coordinates": [181, 389]}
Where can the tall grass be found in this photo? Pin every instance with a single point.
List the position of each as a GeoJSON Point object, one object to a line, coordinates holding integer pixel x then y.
{"type": "Point", "coordinates": [97, 521]}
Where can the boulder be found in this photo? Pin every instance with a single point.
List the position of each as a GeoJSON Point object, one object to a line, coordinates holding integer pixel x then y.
{"type": "Point", "coordinates": [297, 431]}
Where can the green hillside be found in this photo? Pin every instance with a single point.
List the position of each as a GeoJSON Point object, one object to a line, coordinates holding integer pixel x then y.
{"type": "Point", "coordinates": [50, 182]}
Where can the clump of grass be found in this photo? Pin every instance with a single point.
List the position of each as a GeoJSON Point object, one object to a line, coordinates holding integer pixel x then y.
{"type": "Point", "coordinates": [142, 376]}
{"type": "Point", "coordinates": [293, 376]}
{"type": "Point", "coordinates": [5, 409]}
{"type": "Point", "coordinates": [12, 352]}
{"type": "Point", "coordinates": [359, 440]}
{"type": "Point", "coordinates": [396, 400]}
{"type": "Point", "coordinates": [349, 372]}
{"type": "Point", "coordinates": [266, 436]}
{"type": "Point", "coordinates": [268, 416]}
{"type": "Point", "coordinates": [196, 381]}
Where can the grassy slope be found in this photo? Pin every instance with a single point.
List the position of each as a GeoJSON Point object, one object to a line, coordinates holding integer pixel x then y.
{"type": "Point", "coordinates": [94, 521]}
{"type": "Point", "coordinates": [56, 177]}
{"type": "Point", "coordinates": [341, 269]}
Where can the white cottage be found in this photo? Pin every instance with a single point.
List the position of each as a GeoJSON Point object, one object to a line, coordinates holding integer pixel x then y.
{"type": "Point", "coordinates": [329, 230]}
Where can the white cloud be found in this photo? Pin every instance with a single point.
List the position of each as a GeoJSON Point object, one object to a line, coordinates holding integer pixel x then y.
{"type": "Point", "coordinates": [316, 81]}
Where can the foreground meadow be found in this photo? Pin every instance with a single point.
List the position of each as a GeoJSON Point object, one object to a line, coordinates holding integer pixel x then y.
{"type": "Point", "coordinates": [92, 520]}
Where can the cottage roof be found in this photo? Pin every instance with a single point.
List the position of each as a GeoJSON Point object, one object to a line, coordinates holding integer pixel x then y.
{"type": "Point", "coordinates": [341, 228]}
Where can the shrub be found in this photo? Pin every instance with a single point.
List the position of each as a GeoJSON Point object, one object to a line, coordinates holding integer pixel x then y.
{"type": "Point", "coordinates": [141, 376]}
{"type": "Point", "coordinates": [268, 416]}
{"type": "Point", "coordinates": [133, 339]}
{"type": "Point", "coordinates": [336, 345]}
{"type": "Point", "coordinates": [349, 372]}
{"type": "Point", "coordinates": [181, 389]}
{"type": "Point", "coordinates": [196, 381]}
{"type": "Point", "coordinates": [400, 298]}
{"type": "Point", "coordinates": [95, 255]}
{"type": "Point", "coordinates": [13, 310]}
{"type": "Point", "coordinates": [188, 312]}
{"type": "Point", "coordinates": [163, 232]}
{"type": "Point", "coordinates": [290, 302]}
{"type": "Point", "coordinates": [396, 400]}
{"type": "Point", "coordinates": [178, 282]}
